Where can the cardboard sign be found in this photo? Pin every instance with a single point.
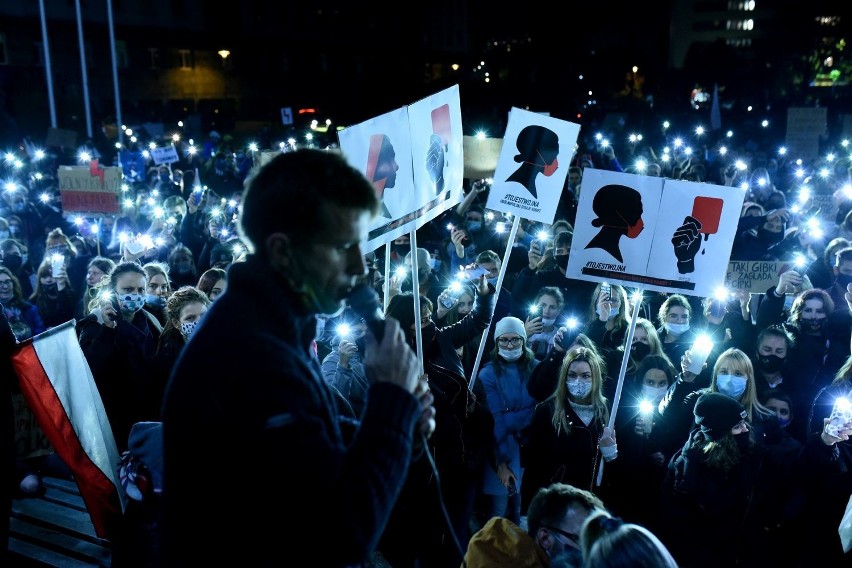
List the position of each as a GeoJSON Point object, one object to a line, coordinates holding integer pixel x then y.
{"type": "Point", "coordinates": [754, 276]}
{"type": "Point", "coordinates": [90, 189]}
{"type": "Point", "coordinates": [165, 155]}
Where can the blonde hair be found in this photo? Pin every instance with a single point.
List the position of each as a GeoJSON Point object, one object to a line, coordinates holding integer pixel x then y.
{"type": "Point", "coordinates": [561, 394]}
{"type": "Point", "coordinates": [733, 357]}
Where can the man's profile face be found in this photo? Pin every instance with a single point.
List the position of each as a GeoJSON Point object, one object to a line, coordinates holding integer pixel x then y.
{"type": "Point", "coordinates": [331, 262]}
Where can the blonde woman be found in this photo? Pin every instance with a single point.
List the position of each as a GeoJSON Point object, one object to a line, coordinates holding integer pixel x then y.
{"type": "Point", "coordinates": [608, 321]}
{"type": "Point", "coordinates": [562, 442]}
{"type": "Point", "coordinates": [733, 375]}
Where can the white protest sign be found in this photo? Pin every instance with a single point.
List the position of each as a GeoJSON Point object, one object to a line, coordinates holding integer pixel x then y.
{"type": "Point", "coordinates": [664, 235]}
{"type": "Point", "coordinates": [533, 165]}
{"type": "Point", "coordinates": [413, 157]}
{"type": "Point", "coordinates": [164, 155]}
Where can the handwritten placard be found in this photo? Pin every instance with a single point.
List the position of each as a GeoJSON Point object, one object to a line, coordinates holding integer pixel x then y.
{"type": "Point", "coordinates": [754, 276]}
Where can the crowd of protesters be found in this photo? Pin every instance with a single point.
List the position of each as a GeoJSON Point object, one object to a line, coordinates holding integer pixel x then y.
{"type": "Point", "coordinates": [751, 477]}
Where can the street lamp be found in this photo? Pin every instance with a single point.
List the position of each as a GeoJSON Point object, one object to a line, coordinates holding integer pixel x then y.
{"type": "Point", "coordinates": [224, 53]}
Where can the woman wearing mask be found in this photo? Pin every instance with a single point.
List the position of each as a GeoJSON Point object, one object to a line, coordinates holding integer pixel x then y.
{"type": "Point", "coordinates": [53, 295]}
{"type": "Point", "coordinates": [504, 379]}
{"type": "Point", "coordinates": [643, 454]}
{"type": "Point", "coordinates": [183, 311]}
{"type": "Point", "coordinates": [119, 339]}
{"type": "Point", "coordinates": [608, 316]}
{"type": "Point", "coordinates": [721, 481]}
{"type": "Point", "coordinates": [674, 331]}
{"type": "Point", "coordinates": [24, 318]}
{"type": "Point", "coordinates": [645, 342]}
{"type": "Point", "coordinates": [460, 300]}
{"type": "Point", "coordinates": [182, 271]}
{"type": "Point", "coordinates": [58, 244]}
{"type": "Point", "coordinates": [733, 376]}
{"type": "Point", "coordinates": [158, 290]}
{"type": "Point", "coordinates": [15, 259]}
{"type": "Point", "coordinates": [569, 431]}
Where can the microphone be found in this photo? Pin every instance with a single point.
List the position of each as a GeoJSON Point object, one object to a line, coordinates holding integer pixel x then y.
{"type": "Point", "coordinates": [365, 302]}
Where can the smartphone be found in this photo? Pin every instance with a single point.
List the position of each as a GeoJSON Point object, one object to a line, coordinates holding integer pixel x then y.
{"type": "Point", "coordinates": [606, 289]}
{"type": "Point", "coordinates": [472, 273]}
{"type": "Point", "coordinates": [841, 413]}
{"type": "Point", "coordinates": [717, 308]}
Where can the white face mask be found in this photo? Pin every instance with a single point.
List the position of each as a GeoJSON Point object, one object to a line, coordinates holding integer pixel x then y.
{"type": "Point", "coordinates": [548, 321]}
{"type": "Point", "coordinates": [187, 328]}
{"type": "Point", "coordinates": [579, 388]}
{"type": "Point", "coordinates": [677, 328]}
{"type": "Point", "coordinates": [653, 394]}
{"type": "Point", "coordinates": [510, 354]}
{"type": "Point", "coordinates": [731, 385]}
{"type": "Point", "coordinates": [612, 313]}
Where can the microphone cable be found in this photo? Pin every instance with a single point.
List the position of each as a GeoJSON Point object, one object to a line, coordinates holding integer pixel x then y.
{"type": "Point", "coordinates": [446, 514]}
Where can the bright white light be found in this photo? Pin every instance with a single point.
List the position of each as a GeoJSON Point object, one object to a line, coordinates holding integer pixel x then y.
{"type": "Point", "coordinates": [729, 134]}
{"type": "Point", "coordinates": [699, 130]}
{"type": "Point", "coordinates": [782, 151]}
{"type": "Point", "coordinates": [740, 165]}
{"type": "Point", "coordinates": [721, 293]}
{"type": "Point", "coordinates": [666, 124]}
{"type": "Point", "coordinates": [723, 150]}
{"type": "Point", "coordinates": [804, 194]}
{"type": "Point", "coordinates": [800, 173]}
{"type": "Point", "coordinates": [824, 173]}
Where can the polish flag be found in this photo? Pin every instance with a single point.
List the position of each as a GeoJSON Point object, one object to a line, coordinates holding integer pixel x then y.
{"type": "Point", "coordinates": [60, 390]}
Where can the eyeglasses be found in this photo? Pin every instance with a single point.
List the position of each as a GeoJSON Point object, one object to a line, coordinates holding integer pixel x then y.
{"type": "Point", "coordinates": [574, 538]}
{"type": "Point", "coordinates": [507, 341]}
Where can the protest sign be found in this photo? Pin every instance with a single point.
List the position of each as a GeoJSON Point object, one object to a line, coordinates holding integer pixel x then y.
{"type": "Point", "coordinates": [165, 155]}
{"type": "Point", "coordinates": [754, 276]}
{"type": "Point", "coordinates": [89, 189]}
{"type": "Point", "coordinates": [664, 235]}
{"type": "Point", "coordinates": [413, 158]}
{"type": "Point", "coordinates": [805, 125]}
{"type": "Point", "coordinates": [528, 180]}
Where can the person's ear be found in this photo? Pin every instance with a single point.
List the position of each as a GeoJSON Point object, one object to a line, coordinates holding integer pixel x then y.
{"type": "Point", "coordinates": [544, 538]}
{"type": "Point", "coordinates": [279, 250]}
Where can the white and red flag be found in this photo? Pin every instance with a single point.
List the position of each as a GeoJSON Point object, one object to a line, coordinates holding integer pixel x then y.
{"type": "Point", "coordinates": [60, 390]}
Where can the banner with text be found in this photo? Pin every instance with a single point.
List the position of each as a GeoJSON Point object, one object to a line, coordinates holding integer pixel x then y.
{"type": "Point", "coordinates": [90, 189]}
{"type": "Point", "coordinates": [663, 235]}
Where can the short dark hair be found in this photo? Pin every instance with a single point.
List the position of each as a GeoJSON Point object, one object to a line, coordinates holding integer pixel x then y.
{"type": "Point", "coordinates": [550, 504]}
{"type": "Point", "coordinates": [401, 308]}
{"type": "Point", "coordinates": [290, 193]}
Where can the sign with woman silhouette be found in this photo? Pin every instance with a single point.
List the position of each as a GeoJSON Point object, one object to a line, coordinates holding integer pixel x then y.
{"type": "Point", "coordinates": [413, 157]}
{"type": "Point", "coordinates": [664, 235]}
{"type": "Point", "coordinates": [528, 180]}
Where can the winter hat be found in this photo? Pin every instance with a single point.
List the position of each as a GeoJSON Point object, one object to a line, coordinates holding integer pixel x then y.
{"type": "Point", "coordinates": [717, 413]}
{"type": "Point", "coordinates": [423, 257]}
{"type": "Point", "coordinates": [510, 324]}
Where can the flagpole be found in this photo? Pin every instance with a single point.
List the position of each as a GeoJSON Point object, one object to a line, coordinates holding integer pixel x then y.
{"type": "Point", "coordinates": [47, 66]}
{"type": "Point", "coordinates": [84, 70]}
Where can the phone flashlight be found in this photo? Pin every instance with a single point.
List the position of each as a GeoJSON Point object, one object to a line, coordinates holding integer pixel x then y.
{"type": "Point", "coordinates": [533, 309]}
{"type": "Point", "coordinates": [646, 408]}
{"type": "Point", "coordinates": [343, 330]}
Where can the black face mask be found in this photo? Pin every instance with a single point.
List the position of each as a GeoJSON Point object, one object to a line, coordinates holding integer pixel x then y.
{"type": "Point", "coordinates": [812, 325]}
{"type": "Point", "coordinates": [12, 262]}
{"type": "Point", "coordinates": [561, 261]}
{"type": "Point", "coordinates": [640, 350]}
{"type": "Point", "coordinates": [743, 441]}
{"type": "Point", "coordinates": [361, 344]}
{"type": "Point", "coordinates": [771, 363]}
{"type": "Point", "coordinates": [50, 288]}
{"type": "Point", "coordinates": [769, 237]}
{"type": "Point", "coordinates": [843, 280]}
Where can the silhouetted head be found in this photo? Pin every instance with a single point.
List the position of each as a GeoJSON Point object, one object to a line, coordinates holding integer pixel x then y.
{"type": "Point", "coordinates": [538, 146]}
{"type": "Point", "coordinates": [617, 206]}
{"type": "Point", "coordinates": [381, 162]}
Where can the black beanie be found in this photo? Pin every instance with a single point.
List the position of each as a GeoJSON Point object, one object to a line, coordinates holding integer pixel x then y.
{"type": "Point", "coordinates": [717, 413]}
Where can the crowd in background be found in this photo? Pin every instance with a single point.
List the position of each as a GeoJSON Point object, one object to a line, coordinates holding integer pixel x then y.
{"type": "Point", "coordinates": [767, 486]}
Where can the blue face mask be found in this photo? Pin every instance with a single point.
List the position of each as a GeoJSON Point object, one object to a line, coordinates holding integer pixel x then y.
{"type": "Point", "coordinates": [731, 385]}
{"type": "Point", "coordinates": [473, 226]}
{"type": "Point", "coordinates": [154, 300]}
{"type": "Point", "coordinates": [435, 263]}
{"type": "Point", "coordinates": [492, 281]}
{"type": "Point", "coordinates": [131, 303]}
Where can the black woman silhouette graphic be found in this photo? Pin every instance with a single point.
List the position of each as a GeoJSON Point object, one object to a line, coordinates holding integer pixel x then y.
{"type": "Point", "coordinates": [537, 151]}
{"type": "Point", "coordinates": [619, 213]}
{"type": "Point", "coordinates": [381, 167]}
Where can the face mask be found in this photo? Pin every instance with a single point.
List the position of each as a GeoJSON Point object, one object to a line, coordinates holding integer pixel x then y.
{"type": "Point", "coordinates": [771, 363]}
{"type": "Point", "coordinates": [653, 394]}
{"type": "Point", "coordinates": [13, 262]}
{"type": "Point", "coordinates": [50, 289]}
{"type": "Point", "coordinates": [769, 237]}
{"type": "Point", "coordinates": [164, 178]}
{"type": "Point", "coordinates": [548, 321]}
{"type": "Point", "coordinates": [435, 263]}
{"type": "Point", "coordinates": [783, 422]}
{"type": "Point", "coordinates": [14, 229]}
{"type": "Point", "coordinates": [843, 280]}
{"type": "Point", "coordinates": [640, 350]}
{"type": "Point", "coordinates": [187, 328]}
{"type": "Point", "coordinates": [612, 313]}
{"type": "Point", "coordinates": [4, 234]}
{"type": "Point", "coordinates": [579, 388]}
{"type": "Point", "coordinates": [131, 303]}
{"type": "Point", "coordinates": [509, 354]}
{"type": "Point", "coordinates": [812, 325]}
{"type": "Point", "coordinates": [561, 261]}
{"type": "Point", "coordinates": [636, 228]}
{"type": "Point", "coordinates": [731, 385]}
{"type": "Point", "coordinates": [154, 301]}
{"type": "Point", "coordinates": [183, 267]}
{"type": "Point", "coordinates": [492, 281]}
{"type": "Point", "coordinates": [24, 258]}
{"type": "Point", "coordinates": [473, 226]}
{"type": "Point", "coordinates": [677, 328]}
{"type": "Point", "coordinates": [550, 169]}
{"type": "Point", "coordinates": [743, 441]}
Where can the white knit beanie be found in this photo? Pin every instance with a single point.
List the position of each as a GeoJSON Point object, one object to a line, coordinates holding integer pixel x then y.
{"type": "Point", "coordinates": [510, 324]}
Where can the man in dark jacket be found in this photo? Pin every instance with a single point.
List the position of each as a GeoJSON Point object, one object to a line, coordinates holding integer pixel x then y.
{"type": "Point", "coordinates": [255, 462]}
